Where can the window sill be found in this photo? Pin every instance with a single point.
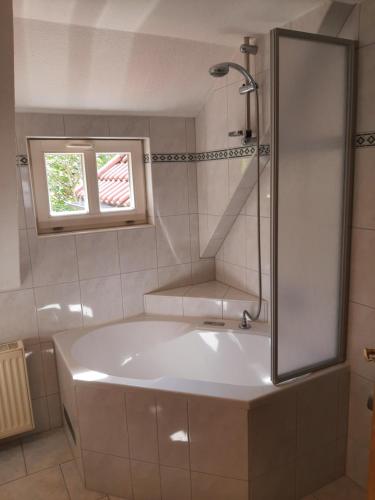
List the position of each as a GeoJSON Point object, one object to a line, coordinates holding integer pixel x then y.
{"type": "Point", "coordinates": [95, 230]}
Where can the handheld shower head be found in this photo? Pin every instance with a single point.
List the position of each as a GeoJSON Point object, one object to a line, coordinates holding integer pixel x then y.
{"type": "Point", "coordinates": [222, 69]}
{"type": "Point", "coordinates": [219, 70]}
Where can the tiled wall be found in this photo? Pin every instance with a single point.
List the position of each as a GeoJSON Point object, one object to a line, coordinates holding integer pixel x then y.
{"type": "Point", "coordinates": [362, 289]}
{"type": "Point", "coordinates": [87, 279]}
{"type": "Point", "coordinates": [225, 111]}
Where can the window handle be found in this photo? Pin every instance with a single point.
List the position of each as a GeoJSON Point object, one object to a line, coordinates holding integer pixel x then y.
{"type": "Point", "coordinates": [79, 145]}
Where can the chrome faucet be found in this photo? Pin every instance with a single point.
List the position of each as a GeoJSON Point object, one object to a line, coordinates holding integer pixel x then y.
{"type": "Point", "coordinates": [245, 320]}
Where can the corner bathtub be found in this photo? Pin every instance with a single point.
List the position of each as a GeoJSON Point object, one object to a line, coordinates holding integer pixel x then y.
{"type": "Point", "coordinates": [165, 408]}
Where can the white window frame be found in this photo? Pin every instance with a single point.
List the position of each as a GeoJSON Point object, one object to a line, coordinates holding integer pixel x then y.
{"type": "Point", "coordinates": [94, 218]}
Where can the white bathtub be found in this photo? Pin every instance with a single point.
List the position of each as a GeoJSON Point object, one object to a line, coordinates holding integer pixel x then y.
{"type": "Point", "coordinates": [152, 395]}
{"type": "Point", "coordinates": [176, 355]}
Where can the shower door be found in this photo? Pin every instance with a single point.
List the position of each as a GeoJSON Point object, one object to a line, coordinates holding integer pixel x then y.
{"type": "Point", "coordinates": [312, 107]}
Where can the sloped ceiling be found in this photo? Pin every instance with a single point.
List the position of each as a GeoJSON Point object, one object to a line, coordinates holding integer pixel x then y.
{"type": "Point", "coordinates": [75, 68]}
{"type": "Point", "coordinates": [138, 56]}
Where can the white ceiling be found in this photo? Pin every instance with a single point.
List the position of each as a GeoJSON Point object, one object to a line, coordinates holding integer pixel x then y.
{"type": "Point", "coordinates": [138, 56]}
{"type": "Point", "coordinates": [215, 21]}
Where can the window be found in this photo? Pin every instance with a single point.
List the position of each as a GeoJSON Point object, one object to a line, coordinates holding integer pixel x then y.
{"type": "Point", "coordinates": [87, 183]}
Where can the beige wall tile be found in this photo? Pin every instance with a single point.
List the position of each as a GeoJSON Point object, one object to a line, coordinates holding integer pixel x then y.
{"type": "Point", "coordinates": [217, 173]}
{"type": "Point", "coordinates": [86, 125]}
{"type": "Point", "coordinates": [207, 487]}
{"type": "Point", "coordinates": [360, 335]}
{"type": "Point", "coordinates": [142, 428]}
{"type": "Point", "coordinates": [58, 307]}
{"type": "Point", "coordinates": [158, 304]}
{"type": "Point", "coordinates": [25, 262]}
{"type": "Point", "coordinates": [29, 124]}
{"type": "Point", "coordinates": [360, 417]}
{"type": "Point", "coordinates": [212, 308]}
{"type": "Point", "coordinates": [315, 469]}
{"type": "Point", "coordinates": [343, 408]}
{"type": "Point", "coordinates": [175, 484]}
{"type": "Point", "coordinates": [170, 181]}
{"type": "Point", "coordinates": [317, 413]}
{"type": "Point", "coordinates": [357, 462]}
{"type": "Point", "coordinates": [97, 254]}
{"type": "Point", "coordinates": [146, 481]}
{"type": "Point", "coordinates": [273, 433]}
{"type": "Point", "coordinates": [102, 420]}
{"type": "Point", "coordinates": [366, 23]}
{"type": "Point", "coordinates": [219, 440]}
{"type": "Point", "coordinates": [17, 315]}
{"type": "Point", "coordinates": [173, 431]}
{"type": "Point", "coordinates": [173, 240]}
{"type": "Point", "coordinates": [362, 279]}
{"type": "Point", "coordinates": [279, 483]}
{"type": "Point", "coordinates": [41, 415]}
{"type": "Point", "coordinates": [168, 135]}
{"type": "Point", "coordinates": [203, 270]}
{"type": "Point", "coordinates": [216, 110]}
{"type": "Point", "coordinates": [35, 371]}
{"type": "Point", "coordinates": [107, 474]}
{"type": "Point", "coordinates": [134, 287]}
{"type": "Point", "coordinates": [192, 188]}
{"type": "Point", "coordinates": [172, 276]}
{"type": "Point", "coordinates": [54, 411]}
{"type": "Point", "coordinates": [128, 126]}
{"type": "Point", "coordinates": [366, 89]}
{"type": "Point", "coordinates": [137, 248]}
{"type": "Point", "coordinates": [49, 367]}
{"type": "Point", "coordinates": [101, 300]}
{"type": "Point", "coordinates": [45, 252]}
{"type": "Point", "coordinates": [363, 203]}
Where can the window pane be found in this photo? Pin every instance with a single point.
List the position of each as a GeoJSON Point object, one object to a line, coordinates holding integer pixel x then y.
{"type": "Point", "coordinates": [66, 183]}
{"type": "Point", "coordinates": [114, 181]}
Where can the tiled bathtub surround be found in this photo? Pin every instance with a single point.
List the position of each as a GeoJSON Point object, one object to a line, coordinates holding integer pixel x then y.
{"type": "Point", "coordinates": [211, 299]}
{"type": "Point", "coordinates": [145, 445]}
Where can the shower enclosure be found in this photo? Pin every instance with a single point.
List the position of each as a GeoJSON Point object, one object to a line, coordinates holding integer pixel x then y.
{"type": "Point", "coordinates": [312, 176]}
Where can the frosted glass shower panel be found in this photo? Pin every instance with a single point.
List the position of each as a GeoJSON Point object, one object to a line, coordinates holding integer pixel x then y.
{"type": "Point", "coordinates": [310, 179]}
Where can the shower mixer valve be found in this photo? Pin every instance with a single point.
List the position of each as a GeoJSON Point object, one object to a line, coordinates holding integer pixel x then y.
{"type": "Point", "coordinates": [247, 136]}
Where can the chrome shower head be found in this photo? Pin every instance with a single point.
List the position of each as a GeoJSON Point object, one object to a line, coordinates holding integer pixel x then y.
{"type": "Point", "coordinates": [222, 69]}
{"type": "Point", "coordinates": [218, 70]}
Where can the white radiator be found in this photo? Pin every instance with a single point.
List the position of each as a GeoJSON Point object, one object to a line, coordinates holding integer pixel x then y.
{"type": "Point", "coordinates": [16, 414]}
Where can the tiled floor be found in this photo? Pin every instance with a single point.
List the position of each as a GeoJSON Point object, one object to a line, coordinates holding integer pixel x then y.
{"type": "Point", "coordinates": [41, 467]}
{"type": "Point", "coordinates": [342, 489]}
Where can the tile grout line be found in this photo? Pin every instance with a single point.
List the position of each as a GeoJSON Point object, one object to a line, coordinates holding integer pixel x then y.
{"type": "Point", "coordinates": [66, 486]}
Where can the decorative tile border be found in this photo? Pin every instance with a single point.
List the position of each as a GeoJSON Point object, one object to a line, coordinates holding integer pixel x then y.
{"type": "Point", "coordinates": [365, 140]}
{"type": "Point", "coordinates": [22, 160]}
{"type": "Point", "coordinates": [220, 154]}
{"type": "Point", "coordinates": [361, 140]}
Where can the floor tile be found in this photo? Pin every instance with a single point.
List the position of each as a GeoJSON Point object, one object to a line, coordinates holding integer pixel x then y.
{"type": "Point", "coordinates": [342, 489]}
{"type": "Point", "coordinates": [44, 485]}
{"type": "Point", "coordinates": [74, 483]}
{"type": "Point", "coordinates": [46, 450]}
{"type": "Point", "coordinates": [12, 465]}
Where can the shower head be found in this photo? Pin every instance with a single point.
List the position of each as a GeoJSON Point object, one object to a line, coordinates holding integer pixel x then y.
{"type": "Point", "coordinates": [222, 69]}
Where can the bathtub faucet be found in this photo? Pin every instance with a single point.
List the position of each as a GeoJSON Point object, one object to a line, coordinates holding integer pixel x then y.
{"type": "Point", "coordinates": [245, 320]}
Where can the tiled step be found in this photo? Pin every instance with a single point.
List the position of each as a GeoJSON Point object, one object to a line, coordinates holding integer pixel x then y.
{"type": "Point", "coordinates": [211, 299]}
